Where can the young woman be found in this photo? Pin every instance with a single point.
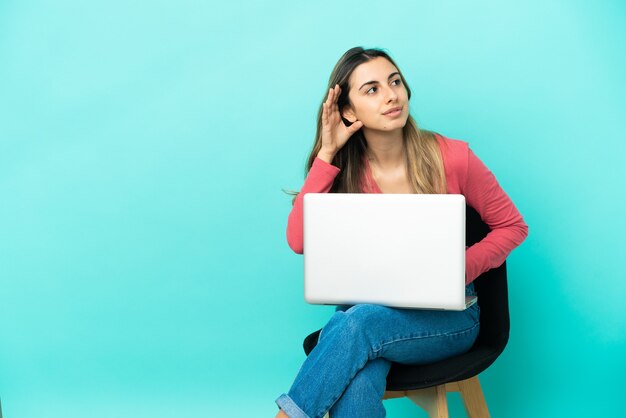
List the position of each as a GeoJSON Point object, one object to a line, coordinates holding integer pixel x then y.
{"type": "Point", "coordinates": [367, 142]}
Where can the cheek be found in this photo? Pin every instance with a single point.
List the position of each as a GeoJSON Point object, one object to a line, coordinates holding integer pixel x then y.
{"type": "Point", "coordinates": [370, 111]}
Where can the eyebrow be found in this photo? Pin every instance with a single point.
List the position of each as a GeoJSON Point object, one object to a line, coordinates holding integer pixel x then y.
{"type": "Point", "coordinates": [376, 82]}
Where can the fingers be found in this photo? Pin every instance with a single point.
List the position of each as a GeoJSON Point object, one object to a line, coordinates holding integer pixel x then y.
{"type": "Point", "coordinates": [336, 92]}
{"type": "Point", "coordinates": [355, 127]}
{"type": "Point", "coordinates": [330, 107]}
{"type": "Point", "coordinates": [330, 104]}
{"type": "Point", "coordinates": [326, 107]}
{"type": "Point", "coordinates": [333, 95]}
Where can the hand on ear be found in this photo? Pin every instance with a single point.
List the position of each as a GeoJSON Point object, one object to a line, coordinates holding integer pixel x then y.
{"type": "Point", "coordinates": [335, 133]}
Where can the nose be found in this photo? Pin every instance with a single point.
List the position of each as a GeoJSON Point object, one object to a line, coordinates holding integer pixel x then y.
{"type": "Point", "coordinates": [392, 95]}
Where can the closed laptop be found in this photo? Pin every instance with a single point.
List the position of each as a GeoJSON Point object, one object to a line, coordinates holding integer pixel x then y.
{"type": "Point", "coordinates": [399, 250]}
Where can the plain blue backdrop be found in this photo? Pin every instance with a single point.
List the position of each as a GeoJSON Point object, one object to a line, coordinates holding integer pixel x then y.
{"type": "Point", "coordinates": [144, 270]}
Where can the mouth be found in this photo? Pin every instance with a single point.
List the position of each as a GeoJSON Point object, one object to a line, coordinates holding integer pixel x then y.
{"type": "Point", "coordinates": [394, 111]}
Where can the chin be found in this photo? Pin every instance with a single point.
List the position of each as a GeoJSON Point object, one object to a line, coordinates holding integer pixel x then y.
{"type": "Point", "coordinates": [398, 124]}
{"type": "Point", "coordinates": [389, 126]}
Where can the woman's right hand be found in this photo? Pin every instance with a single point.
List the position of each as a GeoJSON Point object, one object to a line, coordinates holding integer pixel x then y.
{"type": "Point", "coordinates": [335, 133]}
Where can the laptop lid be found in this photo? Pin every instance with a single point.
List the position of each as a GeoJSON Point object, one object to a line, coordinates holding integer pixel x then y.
{"type": "Point", "coordinates": [400, 250]}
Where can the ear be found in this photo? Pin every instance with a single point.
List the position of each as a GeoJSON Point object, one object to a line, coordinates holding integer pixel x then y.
{"type": "Point", "coordinates": [348, 114]}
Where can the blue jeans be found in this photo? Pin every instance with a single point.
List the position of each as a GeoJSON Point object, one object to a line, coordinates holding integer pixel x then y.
{"type": "Point", "coordinates": [346, 372]}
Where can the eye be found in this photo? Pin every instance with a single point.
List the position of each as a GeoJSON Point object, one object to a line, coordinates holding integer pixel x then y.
{"type": "Point", "coordinates": [397, 81]}
{"type": "Point", "coordinates": [368, 91]}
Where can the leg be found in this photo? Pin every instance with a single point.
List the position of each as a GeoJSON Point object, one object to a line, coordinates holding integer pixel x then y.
{"type": "Point", "coordinates": [364, 395]}
{"type": "Point", "coordinates": [473, 398]}
{"type": "Point", "coordinates": [364, 333]}
{"type": "Point", "coordinates": [340, 354]}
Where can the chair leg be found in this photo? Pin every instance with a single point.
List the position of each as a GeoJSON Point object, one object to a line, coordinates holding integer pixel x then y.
{"type": "Point", "coordinates": [473, 398]}
{"type": "Point", "coordinates": [433, 400]}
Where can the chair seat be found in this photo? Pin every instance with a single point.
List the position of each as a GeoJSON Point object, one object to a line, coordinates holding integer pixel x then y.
{"type": "Point", "coordinates": [464, 366]}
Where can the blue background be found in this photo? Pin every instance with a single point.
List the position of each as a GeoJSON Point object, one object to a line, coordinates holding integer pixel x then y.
{"type": "Point", "coordinates": [144, 270]}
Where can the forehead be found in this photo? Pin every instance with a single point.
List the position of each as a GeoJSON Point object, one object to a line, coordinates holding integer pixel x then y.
{"type": "Point", "coordinates": [377, 69]}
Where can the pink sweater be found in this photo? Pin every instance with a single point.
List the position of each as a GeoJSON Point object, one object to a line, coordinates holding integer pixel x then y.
{"type": "Point", "coordinates": [466, 175]}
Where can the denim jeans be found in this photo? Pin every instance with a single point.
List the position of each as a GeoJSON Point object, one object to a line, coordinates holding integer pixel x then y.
{"type": "Point", "coordinates": [346, 372]}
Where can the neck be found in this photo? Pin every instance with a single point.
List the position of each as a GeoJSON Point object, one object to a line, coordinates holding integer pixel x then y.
{"type": "Point", "coordinates": [385, 149]}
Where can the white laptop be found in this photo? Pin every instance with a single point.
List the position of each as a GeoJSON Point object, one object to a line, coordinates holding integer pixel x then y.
{"type": "Point", "coordinates": [399, 250]}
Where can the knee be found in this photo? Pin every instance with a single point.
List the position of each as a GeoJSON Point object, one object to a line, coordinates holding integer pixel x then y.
{"type": "Point", "coordinates": [356, 320]}
{"type": "Point", "coordinates": [363, 315]}
{"type": "Point", "coordinates": [373, 376]}
{"type": "Point", "coordinates": [365, 382]}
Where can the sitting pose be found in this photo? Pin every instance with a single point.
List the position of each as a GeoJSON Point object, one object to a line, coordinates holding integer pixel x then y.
{"type": "Point", "coordinates": [367, 142]}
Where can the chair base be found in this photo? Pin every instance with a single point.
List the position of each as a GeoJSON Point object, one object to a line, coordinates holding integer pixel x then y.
{"type": "Point", "coordinates": [433, 400]}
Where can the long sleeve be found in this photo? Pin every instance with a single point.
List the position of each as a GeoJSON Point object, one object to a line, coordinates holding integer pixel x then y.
{"type": "Point", "coordinates": [508, 229]}
{"type": "Point", "coordinates": [319, 180]}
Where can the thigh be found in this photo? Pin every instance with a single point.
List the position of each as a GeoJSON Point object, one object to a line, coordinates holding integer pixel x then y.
{"type": "Point", "coordinates": [414, 336]}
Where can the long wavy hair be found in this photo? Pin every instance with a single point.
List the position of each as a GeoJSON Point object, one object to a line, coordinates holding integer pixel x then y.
{"type": "Point", "coordinates": [422, 156]}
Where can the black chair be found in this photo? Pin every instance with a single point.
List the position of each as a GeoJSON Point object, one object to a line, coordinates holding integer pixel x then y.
{"type": "Point", "coordinates": [427, 385]}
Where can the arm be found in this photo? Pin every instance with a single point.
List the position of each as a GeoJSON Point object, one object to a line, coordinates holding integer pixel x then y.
{"type": "Point", "coordinates": [322, 173]}
{"type": "Point", "coordinates": [508, 229]}
{"type": "Point", "coordinates": [319, 180]}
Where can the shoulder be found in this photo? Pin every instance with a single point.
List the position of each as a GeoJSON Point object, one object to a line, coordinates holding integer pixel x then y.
{"type": "Point", "coordinates": [453, 148]}
{"type": "Point", "coordinates": [455, 154]}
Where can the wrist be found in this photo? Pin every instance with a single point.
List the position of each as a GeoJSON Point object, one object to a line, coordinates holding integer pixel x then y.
{"type": "Point", "coordinates": [326, 156]}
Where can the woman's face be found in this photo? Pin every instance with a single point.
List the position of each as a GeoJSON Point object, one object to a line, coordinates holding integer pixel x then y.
{"type": "Point", "coordinates": [375, 88]}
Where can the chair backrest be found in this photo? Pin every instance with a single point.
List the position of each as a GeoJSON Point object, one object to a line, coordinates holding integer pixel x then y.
{"type": "Point", "coordinates": [492, 291]}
